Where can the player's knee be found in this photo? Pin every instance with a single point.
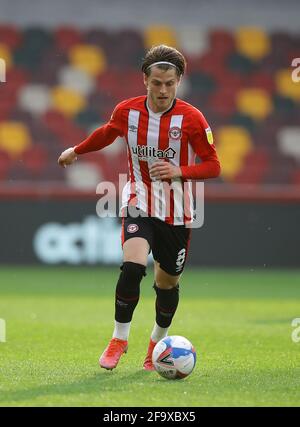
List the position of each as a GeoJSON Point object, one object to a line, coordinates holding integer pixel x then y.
{"type": "Point", "coordinates": [166, 281]}
{"type": "Point", "coordinates": [166, 285]}
{"type": "Point", "coordinates": [132, 274]}
{"type": "Point", "coordinates": [166, 292]}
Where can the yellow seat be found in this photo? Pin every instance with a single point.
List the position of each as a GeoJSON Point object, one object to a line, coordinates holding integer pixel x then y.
{"type": "Point", "coordinates": [252, 42]}
{"type": "Point", "coordinates": [67, 101]}
{"type": "Point", "coordinates": [285, 85]}
{"type": "Point", "coordinates": [5, 55]}
{"type": "Point", "coordinates": [159, 34]}
{"type": "Point", "coordinates": [14, 138]}
{"type": "Point", "coordinates": [234, 143]}
{"type": "Point", "coordinates": [255, 103]}
{"type": "Point", "coordinates": [90, 59]}
{"type": "Point", "coordinates": [231, 166]}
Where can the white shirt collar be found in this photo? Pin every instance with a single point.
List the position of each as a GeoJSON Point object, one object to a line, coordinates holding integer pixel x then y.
{"type": "Point", "coordinates": [160, 113]}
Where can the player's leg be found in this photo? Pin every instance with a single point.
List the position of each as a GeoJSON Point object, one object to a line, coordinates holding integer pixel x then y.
{"type": "Point", "coordinates": [170, 254]}
{"type": "Point", "coordinates": [167, 298]}
{"type": "Point", "coordinates": [133, 269]}
{"type": "Point", "coordinates": [136, 244]}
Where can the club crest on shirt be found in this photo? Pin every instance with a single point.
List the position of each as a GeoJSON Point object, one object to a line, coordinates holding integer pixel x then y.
{"type": "Point", "coordinates": [175, 133]}
{"type": "Point", "coordinates": [132, 228]}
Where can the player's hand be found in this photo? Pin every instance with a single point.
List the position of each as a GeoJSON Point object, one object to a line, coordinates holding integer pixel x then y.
{"type": "Point", "coordinates": [67, 157]}
{"type": "Point", "coordinates": [164, 170]}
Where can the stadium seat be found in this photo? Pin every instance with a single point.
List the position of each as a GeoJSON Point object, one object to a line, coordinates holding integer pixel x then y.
{"type": "Point", "coordinates": [261, 80]}
{"type": "Point", "coordinates": [185, 88]}
{"type": "Point", "coordinates": [234, 143]}
{"type": "Point", "coordinates": [202, 83]}
{"type": "Point", "coordinates": [67, 101]}
{"type": "Point", "coordinates": [28, 60]}
{"type": "Point", "coordinates": [282, 42]}
{"type": "Point", "coordinates": [5, 163]}
{"type": "Point", "coordinates": [281, 169]}
{"type": "Point", "coordinates": [193, 40]}
{"type": "Point", "coordinates": [35, 160]}
{"type": "Point", "coordinates": [255, 167]}
{"type": "Point", "coordinates": [239, 63]}
{"type": "Point", "coordinates": [84, 176]}
{"type": "Point", "coordinates": [9, 92]}
{"type": "Point", "coordinates": [75, 79]}
{"type": "Point", "coordinates": [243, 120]}
{"type": "Point", "coordinates": [99, 37]}
{"type": "Point", "coordinates": [35, 44]}
{"type": "Point", "coordinates": [285, 85]}
{"type": "Point", "coordinates": [37, 39]}
{"type": "Point", "coordinates": [67, 36]}
{"type": "Point", "coordinates": [50, 64]}
{"type": "Point", "coordinates": [253, 43]}
{"type": "Point", "coordinates": [88, 58]}
{"type": "Point", "coordinates": [14, 138]}
{"type": "Point", "coordinates": [101, 102]}
{"type": "Point", "coordinates": [159, 34]}
{"type": "Point", "coordinates": [10, 36]}
{"type": "Point", "coordinates": [65, 130]}
{"type": "Point", "coordinates": [115, 149]}
{"type": "Point", "coordinates": [120, 85]}
{"type": "Point", "coordinates": [34, 98]}
{"type": "Point", "coordinates": [295, 177]}
{"type": "Point", "coordinates": [285, 106]}
{"type": "Point", "coordinates": [222, 42]}
{"type": "Point", "coordinates": [289, 141]}
{"type": "Point", "coordinates": [223, 102]}
{"type": "Point", "coordinates": [5, 54]}
{"type": "Point", "coordinates": [16, 78]}
{"type": "Point", "coordinates": [87, 118]}
{"type": "Point", "coordinates": [126, 50]}
{"type": "Point", "coordinates": [254, 102]}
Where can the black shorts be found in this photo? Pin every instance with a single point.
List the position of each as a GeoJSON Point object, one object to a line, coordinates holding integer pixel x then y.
{"type": "Point", "coordinates": [169, 243]}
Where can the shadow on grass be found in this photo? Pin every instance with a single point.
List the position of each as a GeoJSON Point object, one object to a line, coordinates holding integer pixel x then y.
{"type": "Point", "coordinates": [97, 384]}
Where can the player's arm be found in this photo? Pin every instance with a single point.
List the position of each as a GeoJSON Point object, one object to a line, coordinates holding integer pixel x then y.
{"type": "Point", "coordinates": [100, 138]}
{"type": "Point", "coordinates": [201, 140]}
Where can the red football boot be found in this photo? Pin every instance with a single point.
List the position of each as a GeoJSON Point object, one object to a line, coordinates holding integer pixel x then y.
{"type": "Point", "coordinates": [113, 352]}
{"type": "Point", "coordinates": [148, 365]}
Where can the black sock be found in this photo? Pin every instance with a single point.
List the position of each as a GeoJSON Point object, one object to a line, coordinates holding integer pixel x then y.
{"type": "Point", "coordinates": [166, 305]}
{"type": "Point", "coordinates": [128, 291]}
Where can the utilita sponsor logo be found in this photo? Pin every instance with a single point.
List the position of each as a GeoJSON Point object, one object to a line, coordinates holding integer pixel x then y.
{"type": "Point", "coordinates": [145, 151]}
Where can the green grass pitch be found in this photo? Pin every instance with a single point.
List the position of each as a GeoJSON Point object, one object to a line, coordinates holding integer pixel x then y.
{"type": "Point", "coordinates": [58, 321]}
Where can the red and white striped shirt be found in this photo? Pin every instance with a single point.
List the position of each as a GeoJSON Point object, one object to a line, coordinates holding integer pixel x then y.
{"type": "Point", "coordinates": [177, 135]}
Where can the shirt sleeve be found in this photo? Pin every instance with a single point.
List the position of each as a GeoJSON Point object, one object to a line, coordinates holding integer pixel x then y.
{"type": "Point", "coordinates": [201, 140]}
{"type": "Point", "coordinates": [104, 135]}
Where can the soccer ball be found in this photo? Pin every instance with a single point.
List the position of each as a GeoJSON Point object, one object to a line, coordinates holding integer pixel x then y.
{"type": "Point", "coordinates": [174, 357]}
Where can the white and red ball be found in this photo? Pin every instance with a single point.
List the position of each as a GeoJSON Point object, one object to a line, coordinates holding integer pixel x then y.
{"type": "Point", "coordinates": [174, 357]}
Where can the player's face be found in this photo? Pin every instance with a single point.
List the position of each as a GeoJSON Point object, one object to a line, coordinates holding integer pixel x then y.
{"type": "Point", "coordinates": [161, 87]}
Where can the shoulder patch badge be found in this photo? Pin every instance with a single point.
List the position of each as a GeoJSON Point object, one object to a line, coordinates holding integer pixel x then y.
{"type": "Point", "coordinates": [209, 136]}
